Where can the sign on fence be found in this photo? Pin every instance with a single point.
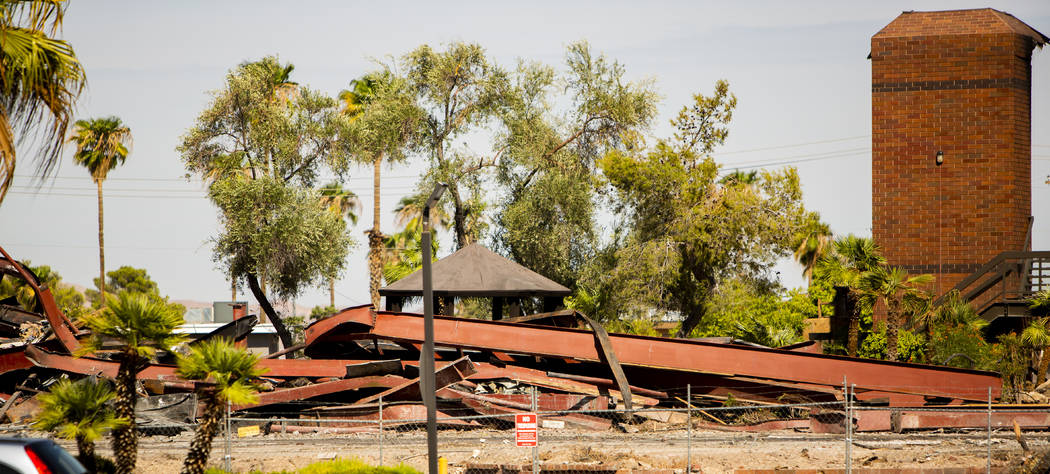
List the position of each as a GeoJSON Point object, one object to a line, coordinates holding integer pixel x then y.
{"type": "Point", "coordinates": [525, 429]}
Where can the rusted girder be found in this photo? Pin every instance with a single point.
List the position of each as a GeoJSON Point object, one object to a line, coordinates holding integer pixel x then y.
{"type": "Point", "coordinates": [393, 414]}
{"type": "Point", "coordinates": [451, 373]}
{"type": "Point", "coordinates": [675, 354]}
{"type": "Point", "coordinates": [60, 325]}
{"type": "Point", "coordinates": [283, 395]}
{"type": "Point", "coordinates": [281, 368]}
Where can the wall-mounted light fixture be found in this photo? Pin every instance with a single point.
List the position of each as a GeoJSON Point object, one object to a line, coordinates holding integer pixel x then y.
{"type": "Point", "coordinates": [940, 158]}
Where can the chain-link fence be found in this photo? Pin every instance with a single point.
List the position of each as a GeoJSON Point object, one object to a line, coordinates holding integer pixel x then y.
{"type": "Point", "coordinates": [590, 437]}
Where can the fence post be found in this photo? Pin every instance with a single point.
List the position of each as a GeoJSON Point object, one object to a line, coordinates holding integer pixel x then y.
{"type": "Point", "coordinates": [848, 421]}
{"type": "Point", "coordinates": [989, 468]}
{"type": "Point", "coordinates": [380, 429]}
{"type": "Point", "coordinates": [227, 462]}
{"type": "Point", "coordinates": [535, 449]}
{"type": "Point", "coordinates": [689, 428]}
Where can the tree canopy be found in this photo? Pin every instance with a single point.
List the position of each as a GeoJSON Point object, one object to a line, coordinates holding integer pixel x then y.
{"type": "Point", "coordinates": [263, 143]}
{"type": "Point", "coordinates": [686, 228]}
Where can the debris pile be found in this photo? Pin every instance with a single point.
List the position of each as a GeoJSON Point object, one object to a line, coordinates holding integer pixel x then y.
{"type": "Point", "coordinates": [363, 365]}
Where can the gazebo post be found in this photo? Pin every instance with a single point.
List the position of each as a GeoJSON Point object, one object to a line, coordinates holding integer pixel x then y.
{"type": "Point", "coordinates": [497, 308]}
{"type": "Point", "coordinates": [514, 308]}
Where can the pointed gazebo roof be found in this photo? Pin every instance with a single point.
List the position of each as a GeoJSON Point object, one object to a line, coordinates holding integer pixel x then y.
{"type": "Point", "coordinates": [476, 271]}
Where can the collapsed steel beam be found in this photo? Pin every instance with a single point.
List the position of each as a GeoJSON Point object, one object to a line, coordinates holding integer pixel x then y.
{"type": "Point", "coordinates": [281, 368]}
{"type": "Point", "coordinates": [325, 388]}
{"type": "Point", "coordinates": [674, 354]}
{"type": "Point", "coordinates": [60, 325]}
{"type": "Point", "coordinates": [451, 373]}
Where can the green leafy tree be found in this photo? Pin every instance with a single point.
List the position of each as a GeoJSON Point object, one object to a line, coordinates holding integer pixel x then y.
{"type": "Point", "coordinates": [687, 229]}
{"type": "Point", "coordinates": [79, 411]}
{"type": "Point", "coordinates": [69, 300]}
{"type": "Point", "coordinates": [459, 91]}
{"type": "Point", "coordinates": [385, 122]}
{"type": "Point", "coordinates": [1036, 336]}
{"type": "Point", "coordinates": [282, 136]}
{"type": "Point", "coordinates": [760, 312]}
{"type": "Point", "coordinates": [903, 296]}
{"type": "Point", "coordinates": [230, 372]}
{"type": "Point", "coordinates": [135, 327]}
{"type": "Point", "coordinates": [850, 258]}
{"type": "Point", "coordinates": [911, 346]}
{"type": "Point", "coordinates": [547, 156]}
{"type": "Point", "coordinates": [40, 80]}
{"type": "Point", "coordinates": [960, 345]}
{"type": "Point", "coordinates": [101, 144]}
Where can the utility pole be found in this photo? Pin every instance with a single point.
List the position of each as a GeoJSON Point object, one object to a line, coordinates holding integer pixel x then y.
{"type": "Point", "coordinates": [426, 357]}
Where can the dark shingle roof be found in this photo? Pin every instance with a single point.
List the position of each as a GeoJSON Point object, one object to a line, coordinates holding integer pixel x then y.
{"type": "Point", "coordinates": [477, 271]}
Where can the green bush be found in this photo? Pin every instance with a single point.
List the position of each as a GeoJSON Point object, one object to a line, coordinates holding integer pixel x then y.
{"type": "Point", "coordinates": [962, 346]}
{"type": "Point", "coordinates": [910, 346]}
{"type": "Point", "coordinates": [337, 466]}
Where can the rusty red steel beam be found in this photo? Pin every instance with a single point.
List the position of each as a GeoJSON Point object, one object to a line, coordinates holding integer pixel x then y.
{"type": "Point", "coordinates": [393, 414]}
{"type": "Point", "coordinates": [14, 358]}
{"type": "Point", "coordinates": [675, 354]}
{"type": "Point", "coordinates": [60, 325]}
{"type": "Point", "coordinates": [881, 420]}
{"type": "Point", "coordinates": [451, 373]}
{"type": "Point", "coordinates": [606, 383]}
{"type": "Point", "coordinates": [486, 405]}
{"type": "Point", "coordinates": [541, 379]}
{"type": "Point", "coordinates": [307, 392]}
{"type": "Point", "coordinates": [281, 368]}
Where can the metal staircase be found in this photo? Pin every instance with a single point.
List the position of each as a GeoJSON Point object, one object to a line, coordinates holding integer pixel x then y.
{"type": "Point", "coordinates": [1002, 287]}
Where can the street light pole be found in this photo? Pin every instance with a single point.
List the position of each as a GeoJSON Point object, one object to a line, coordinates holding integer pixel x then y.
{"type": "Point", "coordinates": [426, 357]}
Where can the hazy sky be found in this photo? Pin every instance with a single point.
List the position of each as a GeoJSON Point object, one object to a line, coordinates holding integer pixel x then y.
{"type": "Point", "coordinates": [799, 70]}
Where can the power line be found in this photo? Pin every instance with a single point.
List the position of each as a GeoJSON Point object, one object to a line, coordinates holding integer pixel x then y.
{"type": "Point", "coordinates": [794, 145]}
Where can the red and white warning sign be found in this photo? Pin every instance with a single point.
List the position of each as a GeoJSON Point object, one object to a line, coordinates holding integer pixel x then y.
{"type": "Point", "coordinates": [525, 425]}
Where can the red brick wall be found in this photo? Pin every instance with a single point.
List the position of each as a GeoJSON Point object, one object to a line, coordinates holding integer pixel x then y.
{"type": "Point", "coordinates": [967, 95]}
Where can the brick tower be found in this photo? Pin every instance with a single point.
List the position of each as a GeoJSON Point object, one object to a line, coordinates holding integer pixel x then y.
{"type": "Point", "coordinates": [957, 83]}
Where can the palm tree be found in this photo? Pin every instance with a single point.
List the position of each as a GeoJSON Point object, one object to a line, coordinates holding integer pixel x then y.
{"type": "Point", "coordinates": [409, 213]}
{"type": "Point", "coordinates": [231, 371]}
{"type": "Point", "coordinates": [849, 258]}
{"type": "Point", "coordinates": [1039, 304]}
{"type": "Point", "coordinates": [343, 203]}
{"type": "Point", "coordinates": [355, 99]}
{"type": "Point", "coordinates": [136, 327]}
{"type": "Point", "coordinates": [40, 80]}
{"type": "Point", "coordinates": [902, 295]}
{"type": "Point", "coordinates": [102, 144]}
{"type": "Point", "coordinates": [953, 311]}
{"type": "Point", "coordinates": [79, 411]}
{"type": "Point", "coordinates": [1037, 337]}
{"type": "Point", "coordinates": [811, 244]}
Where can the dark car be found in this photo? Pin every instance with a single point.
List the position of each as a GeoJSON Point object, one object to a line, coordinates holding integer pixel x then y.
{"type": "Point", "coordinates": [36, 456]}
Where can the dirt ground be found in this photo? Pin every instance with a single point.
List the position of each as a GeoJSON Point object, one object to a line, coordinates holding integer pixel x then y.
{"type": "Point", "coordinates": [711, 452]}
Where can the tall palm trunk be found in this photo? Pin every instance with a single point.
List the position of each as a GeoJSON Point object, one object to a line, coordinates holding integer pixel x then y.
{"type": "Point", "coordinates": [1044, 363]}
{"type": "Point", "coordinates": [86, 451]}
{"type": "Point", "coordinates": [125, 442]}
{"type": "Point", "coordinates": [375, 238]}
{"type": "Point", "coordinates": [101, 248]}
{"type": "Point", "coordinates": [207, 428]}
{"type": "Point", "coordinates": [853, 332]}
{"type": "Point", "coordinates": [892, 328]}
